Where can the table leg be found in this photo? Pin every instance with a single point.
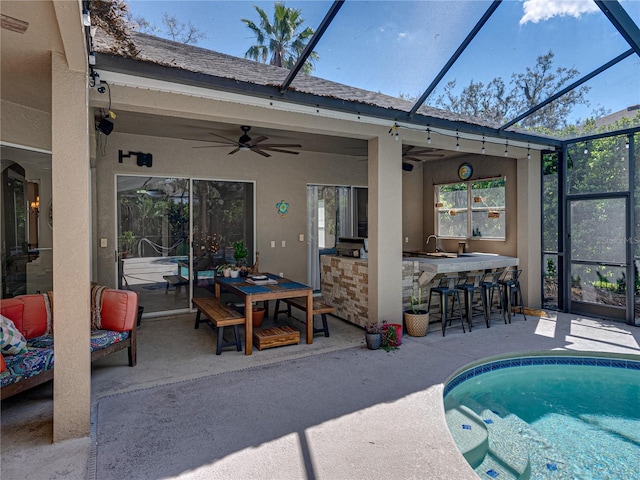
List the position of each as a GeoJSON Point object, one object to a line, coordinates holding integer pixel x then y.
{"type": "Point", "coordinates": [248, 325]}
{"type": "Point", "coordinates": [310, 317]}
{"type": "Point", "coordinates": [217, 290]}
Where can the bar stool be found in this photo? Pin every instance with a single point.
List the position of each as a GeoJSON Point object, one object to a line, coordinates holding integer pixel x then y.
{"type": "Point", "coordinates": [471, 285]}
{"type": "Point", "coordinates": [447, 287]}
{"type": "Point", "coordinates": [489, 285]}
{"type": "Point", "coordinates": [511, 292]}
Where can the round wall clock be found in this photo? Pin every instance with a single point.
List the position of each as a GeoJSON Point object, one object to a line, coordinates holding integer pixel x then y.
{"type": "Point", "coordinates": [465, 171]}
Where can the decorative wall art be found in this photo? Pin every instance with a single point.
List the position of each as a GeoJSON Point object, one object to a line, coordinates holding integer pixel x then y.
{"type": "Point", "coordinates": [283, 208]}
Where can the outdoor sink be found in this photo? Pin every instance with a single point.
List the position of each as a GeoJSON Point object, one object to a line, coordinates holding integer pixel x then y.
{"type": "Point", "coordinates": [431, 254]}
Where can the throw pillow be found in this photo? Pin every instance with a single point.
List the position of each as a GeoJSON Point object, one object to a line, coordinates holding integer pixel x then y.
{"type": "Point", "coordinates": [12, 342]}
{"type": "Point", "coordinates": [3, 364]}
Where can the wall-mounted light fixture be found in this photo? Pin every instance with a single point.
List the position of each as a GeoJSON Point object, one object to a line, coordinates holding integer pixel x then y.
{"type": "Point", "coordinates": [34, 206]}
{"type": "Point", "coordinates": [142, 159]}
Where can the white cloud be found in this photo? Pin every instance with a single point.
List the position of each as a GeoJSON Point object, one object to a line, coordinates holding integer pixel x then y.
{"type": "Point", "coordinates": [538, 10]}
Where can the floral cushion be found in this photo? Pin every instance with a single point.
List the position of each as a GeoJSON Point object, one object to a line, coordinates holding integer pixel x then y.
{"type": "Point", "coordinates": [103, 338]}
{"type": "Point", "coordinates": [12, 342]}
{"type": "Point", "coordinates": [25, 365]}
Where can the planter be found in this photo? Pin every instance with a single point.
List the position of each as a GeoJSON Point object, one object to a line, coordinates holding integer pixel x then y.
{"type": "Point", "coordinates": [374, 340]}
{"type": "Point", "coordinates": [416, 324]}
{"type": "Point", "coordinates": [235, 273]}
{"type": "Point", "coordinates": [257, 316]}
{"type": "Point", "coordinates": [385, 332]}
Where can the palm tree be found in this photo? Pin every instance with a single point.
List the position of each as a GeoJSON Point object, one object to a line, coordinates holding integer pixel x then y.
{"type": "Point", "coordinates": [285, 41]}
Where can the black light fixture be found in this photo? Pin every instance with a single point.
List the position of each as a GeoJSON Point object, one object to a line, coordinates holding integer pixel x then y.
{"type": "Point", "coordinates": [105, 126]}
{"type": "Point", "coordinates": [142, 159]}
{"type": "Point", "coordinates": [407, 167]}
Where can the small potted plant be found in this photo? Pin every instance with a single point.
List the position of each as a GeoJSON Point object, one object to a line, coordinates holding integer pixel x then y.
{"type": "Point", "coordinates": [416, 320]}
{"type": "Point", "coordinates": [391, 335]}
{"type": "Point", "coordinates": [240, 253]}
{"type": "Point", "coordinates": [373, 336]}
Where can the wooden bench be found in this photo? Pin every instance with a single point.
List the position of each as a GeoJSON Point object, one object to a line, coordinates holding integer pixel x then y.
{"type": "Point", "coordinates": [218, 315]}
{"type": "Point", "coordinates": [176, 281]}
{"type": "Point", "coordinates": [319, 308]}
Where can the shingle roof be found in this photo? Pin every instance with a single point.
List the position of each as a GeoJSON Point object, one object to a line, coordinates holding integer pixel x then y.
{"type": "Point", "coordinates": [159, 51]}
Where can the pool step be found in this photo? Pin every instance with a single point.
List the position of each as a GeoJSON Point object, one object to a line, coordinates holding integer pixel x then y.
{"type": "Point", "coordinates": [469, 432]}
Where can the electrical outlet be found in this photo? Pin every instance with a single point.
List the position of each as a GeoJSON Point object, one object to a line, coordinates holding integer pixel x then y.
{"type": "Point", "coordinates": [273, 244]}
{"type": "Point", "coordinates": [281, 274]}
{"type": "Point", "coordinates": [406, 239]}
{"type": "Point", "coordinates": [284, 244]}
{"type": "Point", "coordinates": [103, 243]}
{"type": "Point", "coordinates": [301, 237]}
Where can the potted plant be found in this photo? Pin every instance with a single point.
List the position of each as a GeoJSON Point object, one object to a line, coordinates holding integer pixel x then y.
{"type": "Point", "coordinates": [391, 335]}
{"type": "Point", "coordinates": [240, 252]}
{"type": "Point", "coordinates": [234, 271]}
{"type": "Point", "coordinates": [416, 320]}
{"type": "Point", "coordinates": [373, 336]}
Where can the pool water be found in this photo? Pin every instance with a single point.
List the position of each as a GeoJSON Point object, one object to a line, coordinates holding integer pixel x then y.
{"type": "Point", "coordinates": [572, 421]}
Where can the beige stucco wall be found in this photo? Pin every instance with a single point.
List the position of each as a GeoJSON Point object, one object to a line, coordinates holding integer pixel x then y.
{"type": "Point", "coordinates": [439, 172]}
{"type": "Point", "coordinates": [276, 178]}
{"type": "Point", "coordinates": [25, 126]}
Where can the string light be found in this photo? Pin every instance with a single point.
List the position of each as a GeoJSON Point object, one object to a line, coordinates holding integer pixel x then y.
{"type": "Point", "coordinates": [506, 148]}
{"type": "Point", "coordinates": [429, 136]}
{"type": "Point", "coordinates": [483, 149]}
{"type": "Point", "coordinates": [626, 143]}
{"type": "Point", "coordinates": [457, 140]}
{"type": "Point", "coordinates": [528, 151]}
{"type": "Point", "coordinates": [586, 148]}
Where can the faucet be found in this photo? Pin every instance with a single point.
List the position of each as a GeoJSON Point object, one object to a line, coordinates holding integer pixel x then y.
{"type": "Point", "coordinates": [436, 239]}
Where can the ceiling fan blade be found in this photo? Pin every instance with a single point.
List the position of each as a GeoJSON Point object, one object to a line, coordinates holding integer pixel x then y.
{"type": "Point", "coordinates": [270, 148]}
{"type": "Point", "coordinates": [278, 145]}
{"type": "Point", "coordinates": [13, 24]}
{"type": "Point", "coordinates": [427, 153]}
{"type": "Point", "coordinates": [233, 142]}
{"type": "Point", "coordinates": [406, 149]}
{"type": "Point", "coordinates": [209, 141]}
{"type": "Point", "coordinates": [413, 159]}
{"type": "Point", "coordinates": [257, 140]}
{"type": "Point", "coordinates": [260, 152]}
{"type": "Point", "coordinates": [212, 146]}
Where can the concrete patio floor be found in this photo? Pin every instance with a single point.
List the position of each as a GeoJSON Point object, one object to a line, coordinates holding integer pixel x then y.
{"type": "Point", "coordinates": [170, 350]}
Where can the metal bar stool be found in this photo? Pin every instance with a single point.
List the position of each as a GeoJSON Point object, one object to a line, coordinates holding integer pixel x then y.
{"type": "Point", "coordinates": [511, 292]}
{"type": "Point", "coordinates": [447, 287]}
{"type": "Point", "coordinates": [489, 285]}
{"type": "Point", "coordinates": [471, 285]}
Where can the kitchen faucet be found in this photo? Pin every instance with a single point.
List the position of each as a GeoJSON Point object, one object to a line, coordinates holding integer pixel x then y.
{"type": "Point", "coordinates": [436, 239]}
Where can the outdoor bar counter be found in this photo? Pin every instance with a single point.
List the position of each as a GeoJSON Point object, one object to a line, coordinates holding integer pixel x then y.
{"type": "Point", "coordinates": [344, 280]}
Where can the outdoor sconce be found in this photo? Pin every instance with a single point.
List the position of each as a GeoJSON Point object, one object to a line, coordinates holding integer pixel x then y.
{"type": "Point", "coordinates": [143, 159]}
{"type": "Point", "coordinates": [407, 167]}
{"type": "Point", "coordinates": [35, 206]}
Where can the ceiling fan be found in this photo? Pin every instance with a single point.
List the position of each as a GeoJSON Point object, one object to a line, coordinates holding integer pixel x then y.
{"type": "Point", "coordinates": [245, 143]}
{"type": "Point", "coordinates": [418, 154]}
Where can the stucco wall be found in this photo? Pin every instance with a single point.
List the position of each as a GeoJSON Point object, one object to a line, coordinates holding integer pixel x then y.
{"type": "Point", "coordinates": [439, 172]}
{"type": "Point", "coordinates": [276, 178]}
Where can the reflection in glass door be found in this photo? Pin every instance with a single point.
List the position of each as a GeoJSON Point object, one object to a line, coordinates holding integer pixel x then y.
{"type": "Point", "coordinates": [153, 247]}
{"type": "Point", "coordinates": [222, 216]}
{"type": "Point", "coordinates": [598, 266]}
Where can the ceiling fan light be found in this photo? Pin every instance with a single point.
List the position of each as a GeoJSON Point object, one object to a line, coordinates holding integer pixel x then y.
{"type": "Point", "coordinates": [244, 148]}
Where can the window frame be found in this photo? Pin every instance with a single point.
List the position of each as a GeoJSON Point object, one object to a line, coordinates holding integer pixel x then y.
{"type": "Point", "coordinates": [470, 209]}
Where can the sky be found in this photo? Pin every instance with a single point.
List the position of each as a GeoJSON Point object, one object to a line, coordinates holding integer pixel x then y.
{"type": "Point", "coordinates": [398, 47]}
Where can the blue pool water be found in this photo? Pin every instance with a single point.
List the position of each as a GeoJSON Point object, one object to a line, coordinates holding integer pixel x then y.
{"type": "Point", "coordinates": [548, 417]}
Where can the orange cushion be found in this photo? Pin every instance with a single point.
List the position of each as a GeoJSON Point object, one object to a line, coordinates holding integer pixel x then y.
{"type": "Point", "coordinates": [119, 310]}
{"type": "Point", "coordinates": [34, 317]}
{"type": "Point", "coordinates": [12, 308]}
{"type": "Point", "coordinates": [3, 364]}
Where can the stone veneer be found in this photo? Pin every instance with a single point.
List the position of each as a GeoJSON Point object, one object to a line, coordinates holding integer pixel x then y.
{"type": "Point", "coordinates": [345, 285]}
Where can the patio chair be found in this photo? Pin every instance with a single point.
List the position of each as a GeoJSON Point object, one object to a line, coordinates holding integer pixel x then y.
{"type": "Point", "coordinates": [447, 287]}
{"type": "Point", "coordinates": [471, 285]}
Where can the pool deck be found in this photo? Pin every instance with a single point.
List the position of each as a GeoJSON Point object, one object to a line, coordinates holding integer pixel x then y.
{"type": "Point", "coordinates": [417, 444]}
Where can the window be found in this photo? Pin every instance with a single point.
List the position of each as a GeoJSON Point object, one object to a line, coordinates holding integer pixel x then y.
{"type": "Point", "coordinates": [471, 209]}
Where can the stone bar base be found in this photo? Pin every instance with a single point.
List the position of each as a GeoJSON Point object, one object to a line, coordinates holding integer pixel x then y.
{"type": "Point", "coordinates": [345, 286]}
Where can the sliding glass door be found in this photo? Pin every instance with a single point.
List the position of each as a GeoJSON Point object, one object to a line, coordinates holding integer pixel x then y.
{"type": "Point", "coordinates": [174, 232]}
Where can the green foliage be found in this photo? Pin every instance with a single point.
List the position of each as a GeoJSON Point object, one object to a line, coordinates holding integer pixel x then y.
{"type": "Point", "coordinates": [551, 268]}
{"type": "Point", "coordinates": [498, 102]}
{"type": "Point", "coordinates": [389, 337]}
{"type": "Point", "coordinates": [127, 242]}
{"type": "Point", "coordinates": [240, 252]}
{"type": "Point", "coordinates": [416, 301]}
{"type": "Point", "coordinates": [281, 38]}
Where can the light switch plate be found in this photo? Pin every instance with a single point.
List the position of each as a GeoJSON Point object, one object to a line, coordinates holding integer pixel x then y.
{"type": "Point", "coordinates": [284, 244]}
{"type": "Point", "coordinates": [103, 243]}
{"type": "Point", "coordinates": [301, 237]}
{"type": "Point", "coordinates": [273, 244]}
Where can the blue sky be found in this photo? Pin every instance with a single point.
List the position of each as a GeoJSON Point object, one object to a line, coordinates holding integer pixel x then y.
{"type": "Point", "coordinates": [398, 46]}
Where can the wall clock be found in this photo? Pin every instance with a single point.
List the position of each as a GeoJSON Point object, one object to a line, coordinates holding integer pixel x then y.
{"type": "Point", "coordinates": [465, 171]}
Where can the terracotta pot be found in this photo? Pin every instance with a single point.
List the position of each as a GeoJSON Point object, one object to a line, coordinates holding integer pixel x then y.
{"type": "Point", "coordinates": [257, 316]}
{"type": "Point", "coordinates": [416, 324]}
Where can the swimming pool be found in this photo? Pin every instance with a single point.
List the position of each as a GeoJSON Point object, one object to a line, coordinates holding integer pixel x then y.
{"type": "Point", "coordinates": [548, 417]}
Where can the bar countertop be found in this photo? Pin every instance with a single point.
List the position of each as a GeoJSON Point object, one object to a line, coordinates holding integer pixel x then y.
{"type": "Point", "coordinates": [465, 262]}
